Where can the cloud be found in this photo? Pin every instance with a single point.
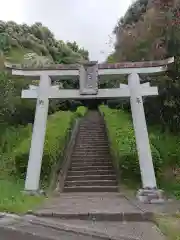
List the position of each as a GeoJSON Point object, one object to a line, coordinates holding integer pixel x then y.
{"type": "Point", "coordinates": [89, 22]}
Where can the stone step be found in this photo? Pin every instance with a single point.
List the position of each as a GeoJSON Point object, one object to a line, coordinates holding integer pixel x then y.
{"type": "Point", "coordinates": [90, 157]}
{"type": "Point", "coordinates": [93, 151]}
{"type": "Point", "coordinates": [93, 128]}
{"type": "Point", "coordinates": [92, 177]}
{"type": "Point", "coordinates": [96, 144]}
{"type": "Point", "coordinates": [91, 189]}
{"type": "Point", "coordinates": [91, 183]}
{"type": "Point", "coordinates": [91, 138]}
{"type": "Point", "coordinates": [91, 135]}
{"type": "Point", "coordinates": [87, 168]}
{"type": "Point", "coordinates": [91, 160]}
{"type": "Point", "coordinates": [95, 122]}
{"type": "Point", "coordinates": [90, 146]}
{"type": "Point", "coordinates": [85, 160]}
{"type": "Point", "coordinates": [90, 152]}
{"type": "Point", "coordinates": [94, 133]}
{"type": "Point", "coordinates": [87, 155]}
{"type": "Point", "coordinates": [94, 164]}
{"type": "Point", "coordinates": [92, 143]}
{"type": "Point", "coordinates": [91, 163]}
{"type": "Point", "coordinates": [100, 141]}
{"type": "Point", "coordinates": [90, 172]}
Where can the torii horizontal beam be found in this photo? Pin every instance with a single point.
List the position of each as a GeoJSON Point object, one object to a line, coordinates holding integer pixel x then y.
{"type": "Point", "coordinates": [72, 70]}
{"type": "Point", "coordinates": [102, 93]}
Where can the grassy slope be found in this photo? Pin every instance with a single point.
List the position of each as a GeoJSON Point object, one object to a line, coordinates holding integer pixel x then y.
{"type": "Point", "coordinates": [14, 150]}
{"type": "Point", "coordinates": [15, 55]}
{"type": "Point", "coordinates": [165, 150]}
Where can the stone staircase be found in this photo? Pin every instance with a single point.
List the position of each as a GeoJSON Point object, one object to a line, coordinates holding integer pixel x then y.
{"type": "Point", "coordinates": [91, 168]}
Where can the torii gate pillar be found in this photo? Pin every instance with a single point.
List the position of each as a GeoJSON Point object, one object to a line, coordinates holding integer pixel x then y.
{"type": "Point", "coordinates": [38, 136]}
{"type": "Point", "coordinates": [149, 193]}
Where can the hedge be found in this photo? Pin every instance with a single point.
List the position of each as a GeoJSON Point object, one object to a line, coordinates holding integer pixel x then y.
{"type": "Point", "coordinates": [58, 127]}
{"type": "Point", "coordinates": [165, 149]}
{"type": "Point", "coordinates": [123, 144]}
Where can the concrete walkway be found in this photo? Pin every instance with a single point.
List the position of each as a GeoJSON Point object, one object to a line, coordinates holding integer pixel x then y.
{"type": "Point", "coordinates": [85, 216]}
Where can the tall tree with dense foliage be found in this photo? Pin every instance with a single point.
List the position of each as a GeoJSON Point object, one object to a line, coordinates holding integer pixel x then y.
{"type": "Point", "coordinates": [150, 30]}
{"type": "Point", "coordinates": [31, 45]}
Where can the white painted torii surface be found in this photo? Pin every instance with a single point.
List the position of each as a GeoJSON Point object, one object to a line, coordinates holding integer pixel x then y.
{"type": "Point", "coordinates": [88, 75]}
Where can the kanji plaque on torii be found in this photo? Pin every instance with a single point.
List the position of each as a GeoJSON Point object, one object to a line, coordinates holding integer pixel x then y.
{"type": "Point", "coordinates": [88, 75]}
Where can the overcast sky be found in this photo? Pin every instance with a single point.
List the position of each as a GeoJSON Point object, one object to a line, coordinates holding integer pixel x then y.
{"type": "Point", "coordinates": [89, 22]}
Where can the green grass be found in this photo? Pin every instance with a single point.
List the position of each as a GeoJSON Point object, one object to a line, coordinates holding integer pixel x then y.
{"type": "Point", "coordinates": [165, 149]}
{"type": "Point", "coordinates": [169, 226]}
{"type": "Point", "coordinates": [16, 55]}
{"type": "Point", "coordinates": [81, 111]}
{"type": "Point", "coordinates": [57, 129]}
{"type": "Point", "coordinates": [10, 138]}
{"type": "Point", "coordinates": [12, 199]}
{"type": "Point", "coordinates": [14, 153]}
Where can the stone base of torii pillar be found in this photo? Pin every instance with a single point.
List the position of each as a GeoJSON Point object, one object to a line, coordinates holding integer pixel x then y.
{"type": "Point", "coordinates": [151, 195]}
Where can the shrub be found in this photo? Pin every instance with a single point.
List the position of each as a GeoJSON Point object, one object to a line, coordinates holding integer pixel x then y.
{"type": "Point", "coordinates": [81, 111]}
{"type": "Point", "coordinates": [11, 137]}
{"type": "Point", "coordinates": [123, 144]}
{"type": "Point", "coordinates": [164, 147]}
{"type": "Point", "coordinates": [58, 127]}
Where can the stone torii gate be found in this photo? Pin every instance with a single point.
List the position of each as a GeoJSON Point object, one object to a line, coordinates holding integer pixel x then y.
{"type": "Point", "coordinates": [89, 74]}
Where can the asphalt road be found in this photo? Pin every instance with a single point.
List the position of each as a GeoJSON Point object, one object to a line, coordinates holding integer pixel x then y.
{"type": "Point", "coordinates": [12, 234]}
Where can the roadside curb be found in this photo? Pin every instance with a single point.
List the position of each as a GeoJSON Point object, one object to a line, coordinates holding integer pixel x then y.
{"type": "Point", "coordinates": [121, 217]}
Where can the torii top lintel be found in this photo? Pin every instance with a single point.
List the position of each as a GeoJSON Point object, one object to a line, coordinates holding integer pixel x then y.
{"type": "Point", "coordinates": [103, 68]}
{"type": "Point", "coordinates": [145, 64]}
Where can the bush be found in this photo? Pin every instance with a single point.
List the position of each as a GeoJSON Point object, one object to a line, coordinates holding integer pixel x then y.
{"type": "Point", "coordinates": [58, 127]}
{"type": "Point", "coordinates": [164, 146]}
{"type": "Point", "coordinates": [123, 144]}
{"type": "Point", "coordinates": [81, 111]}
{"type": "Point", "coordinates": [10, 137]}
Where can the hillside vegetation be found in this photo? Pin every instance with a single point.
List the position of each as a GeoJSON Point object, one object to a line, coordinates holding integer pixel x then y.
{"type": "Point", "coordinates": [33, 45]}
{"type": "Point", "coordinates": [150, 30]}
{"type": "Point", "coordinates": [123, 146]}
{"type": "Point", "coordinates": [14, 152]}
